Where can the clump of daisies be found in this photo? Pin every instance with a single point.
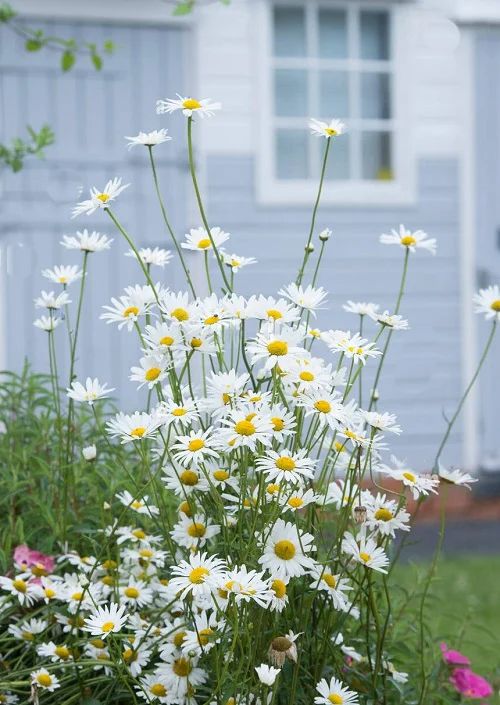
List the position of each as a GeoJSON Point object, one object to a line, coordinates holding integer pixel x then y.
{"type": "Point", "coordinates": [249, 558]}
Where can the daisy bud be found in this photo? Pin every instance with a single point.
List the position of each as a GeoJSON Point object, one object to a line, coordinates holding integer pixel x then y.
{"type": "Point", "coordinates": [309, 248]}
{"type": "Point", "coordinates": [375, 394]}
{"type": "Point", "coordinates": [106, 505]}
{"type": "Point", "coordinates": [89, 453]}
{"type": "Point", "coordinates": [359, 515]}
{"type": "Point", "coordinates": [325, 234]}
{"type": "Point", "coordinates": [267, 674]}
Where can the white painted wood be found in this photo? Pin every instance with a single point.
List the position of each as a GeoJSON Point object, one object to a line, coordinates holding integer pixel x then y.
{"type": "Point", "coordinates": [141, 11]}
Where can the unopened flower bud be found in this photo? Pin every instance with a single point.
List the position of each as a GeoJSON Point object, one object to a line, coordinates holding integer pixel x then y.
{"type": "Point", "coordinates": [89, 453]}
{"type": "Point", "coordinates": [375, 394]}
{"type": "Point", "coordinates": [359, 514]}
{"type": "Point", "coordinates": [309, 248]}
{"type": "Point", "coordinates": [325, 234]}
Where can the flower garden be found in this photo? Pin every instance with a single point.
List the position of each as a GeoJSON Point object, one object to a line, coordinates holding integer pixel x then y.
{"type": "Point", "coordinates": [234, 540]}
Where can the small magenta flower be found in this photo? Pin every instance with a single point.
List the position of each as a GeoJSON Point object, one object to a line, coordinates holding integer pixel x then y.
{"type": "Point", "coordinates": [453, 657]}
{"type": "Point", "coordinates": [470, 684]}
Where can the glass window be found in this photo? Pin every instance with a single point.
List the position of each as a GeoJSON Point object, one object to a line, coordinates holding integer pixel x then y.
{"type": "Point", "coordinates": [376, 156]}
{"type": "Point", "coordinates": [289, 31]}
{"type": "Point", "coordinates": [334, 93]}
{"type": "Point", "coordinates": [332, 34]}
{"type": "Point", "coordinates": [292, 156]}
{"type": "Point", "coordinates": [290, 95]}
{"type": "Point", "coordinates": [375, 96]}
{"type": "Point", "coordinates": [374, 33]}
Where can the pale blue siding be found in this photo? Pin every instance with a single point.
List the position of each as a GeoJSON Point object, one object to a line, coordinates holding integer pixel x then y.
{"type": "Point", "coordinates": [423, 372]}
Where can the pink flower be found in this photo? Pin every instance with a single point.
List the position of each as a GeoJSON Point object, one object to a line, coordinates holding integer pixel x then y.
{"type": "Point", "coordinates": [28, 559]}
{"type": "Point", "coordinates": [470, 684]}
{"type": "Point", "coordinates": [453, 657]}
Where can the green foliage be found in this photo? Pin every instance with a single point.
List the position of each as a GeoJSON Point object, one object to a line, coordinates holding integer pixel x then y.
{"type": "Point", "coordinates": [185, 7]}
{"type": "Point", "coordinates": [14, 154]}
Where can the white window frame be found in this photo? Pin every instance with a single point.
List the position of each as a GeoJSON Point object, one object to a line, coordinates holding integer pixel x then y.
{"type": "Point", "coordinates": [273, 191]}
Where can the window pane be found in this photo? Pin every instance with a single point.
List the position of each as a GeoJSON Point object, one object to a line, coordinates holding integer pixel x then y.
{"type": "Point", "coordinates": [290, 93]}
{"type": "Point", "coordinates": [338, 158]}
{"type": "Point", "coordinates": [375, 42]}
{"type": "Point", "coordinates": [376, 155]}
{"type": "Point", "coordinates": [375, 96]}
{"type": "Point", "coordinates": [292, 159]}
{"type": "Point", "coordinates": [334, 94]}
{"type": "Point", "coordinates": [332, 34]}
{"type": "Point", "coordinates": [289, 31]}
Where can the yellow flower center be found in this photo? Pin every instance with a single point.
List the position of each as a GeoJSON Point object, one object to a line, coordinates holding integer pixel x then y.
{"type": "Point", "coordinates": [191, 104]}
{"type": "Point", "coordinates": [189, 477]}
{"type": "Point", "coordinates": [109, 564]}
{"type": "Point", "coordinates": [166, 340]}
{"type": "Point", "coordinates": [180, 314]}
{"type": "Point", "coordinates": [49, 593]}
{"type": "Point", "coordinates": [306, 376]}
{"type": "Point", "coordinates": [495, 305]}
{"type": "Point", "coordinates": [365, 557]}
{"type": "Point", "coordinates": [197, 575]}
{"type": "Point", "coordinates": [331, 132]}
{"type": "Point", "coordinates": [129, 655]}
{"type": "Point", "coordinates": [77, 596]}
{"type": "Point", "coordinates": [98, 643]}
{"type": "Point", "coordinates": [278, 424]}
{"type": "Point", "coordinates": [408, 240]}
{"type": "Point", "coordinates": [196, 530]}
{"type": "Point", "coordinates": [330, 580]}
{"type": "Point", "coordinates": [383, 514]}
{"type": "Point", "coordinates": [339, 447]}
{"type": "Point", "coordinates": [28, 636]}
{"type": "Point", "coordinates": [179, 411]}
{"type": "Point", "coordinates": [277, 347]}
{"type": "Point", "coordinates": [314, 332]}
{"type": "Point", "coordinates": [103, 197]}
{"type": "Point", "coordinates": [295, 502]}
{"type": "Point", "coordinates": [245, 428]}
{"type": "Point", "coordinates": [204, 636]}
{"type": "Point", "coordinates": [138, 431]}
{"type": "Point", "coordinates": [107, 627]}
{"type": "Point", "coordinates": [221, 475]}
{"type": "Point", "coordinates": [335, 699]}
{"type": "Point", "coordinates": [179, 639]}
{"type": "Point", "coordinates": [279, 588]}
{"type": "Point", "coordinates": [274, 314]}
{"type": "Point", "coordinates": [130, 311]}
{"type": "Point", "coordinates": [196, 444]}
{"type": "Point", "coordinates": [44, 679]}
{"type": "Point", "coordinates": [152, 374]}
{"type": "Point", "coordinates": [204, 243]}
{"type": "Point", "coordinates": [285, 463]}
{"type": "Point", "coordinates": [184, 508]}
{"type": "Point", "coordinates": [211, 320]}
{"type": "Point", "coordinates": [196, 342]}
{"type": "Point", "coordinates": [63, 652]}
{"type": "Point", "coordinates": [284, 549]}
{"type": "Point", "coordinates": [139, 534]}
{"type": "Point", "coordinates": [323, 406]}
{"type": "Point", "coordinates": [136, 504]}
{"type": "Point", "coordinates": [145, 553]}
{"type": "Point", "coordinates": [182, 667]}
{"type": "Point", "coordinates": [38, 570]}
{"type": "Point", "coordinates": [158, 689]}
{"type": "Point", "coordinates": [272, 488]}
{"type": "Point", "coordinates": [131, 592]}
{"type": "Point", "coordinates": [20, 585]}
{"type": "Point", "coordinates": [409, 476]}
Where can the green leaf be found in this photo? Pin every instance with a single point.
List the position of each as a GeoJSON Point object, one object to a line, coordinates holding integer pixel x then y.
{"type": "Point", "coordinates": [108, 46]}
{"type": "Point", "coordinates": [33, 45]}
{"type": "Point", "coordinates": [183, 8]}
{"type": "Point", "coordinates": [7, 12]}
{"type": "Point", "coordinates": [97, 61]}
{"type": "Point", "coordinates": [67, 60]}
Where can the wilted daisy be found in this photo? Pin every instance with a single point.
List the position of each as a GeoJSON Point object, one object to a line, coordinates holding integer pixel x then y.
{"type": "Point", "coordinates": [63, 274]}
{"type": "Point", "coordinates": [197, 239]}
{"type": "Point", "coordinates": [410, 240]}
{"type": "Point", "coordinates": [189, 106]}
{"type": "Point", "coordinates": [364, 550]}
{"type": "Point", "coordinates": [52, 301]}
{"type": "Point", "coordinates": [487, 301]}
{"type": "Point", "coordinates": [91, 392]}
{"type": "Point", "coordinates": [198, 575]}
{"type": "Point", "coordinates": [283, 647]}
{"type": "Point", "coordinates": [362, 308]}
{"type": "Point", "coordinates": [105, 620]}
{"type": "Point", "coordinates": [152, 370]}
{"type": "Point", "coordinates": [334, 128]}
{"type": "Point", "coordinates": [236, 262]}
{"type": "Point", "coordinates": [133, 427]}
{"type": "Point", "coordinates": [334, 692]}
{"type": "Point", "coordinates": [267, 674]}
{"type": "Point", "coordinates": [141, 506]}
{"type": "Point", "coordinates": [309, 298]}
{"type": "Point", "coordinates": [100, 199]}
{"type": "Point", "coordinates": [418, 483]}
{"type": "Point", "coordinates": [47, 323]}
{"type": "Point", "coordinates": [44, 680]}
{"type": "Point", "coordinates": [455, 477]}
{"type": "Point", "coordinates": [87, 242]}
{"type": "Point", "coordinates": [286, 466]}
{"type": "Point", "coordinates": [285, 551]}
{"type": "Point", "coordinates": [156, 256]}
{"type": "Point", "coordinates": [149, 139]}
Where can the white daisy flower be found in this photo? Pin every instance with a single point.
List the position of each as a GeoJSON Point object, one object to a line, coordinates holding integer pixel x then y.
{"type": "Point", "coordinates": [487, 301]}
{"type": "Point", "coordinates": [153, 688]}
{"type": "Point", "coordinates": [153, 369]}
{"type": "Point", "coordinates": [156, 256]}
{"type": "Point", "coordinates": [47, 323]}
{"type": "Point", "coordinates": [383, 515]}
{"type": "Point", "coordinates": [180, 672]}
{"type": "Point", "coordinates": [135, 594]}
{"type": "Point", "coordinates": [177, 306]}
{"type": "Point", "coordinates": [279, 596]}
{"type": "Point", "coordinates": [28, 629]}
{"type": "Point", "coordinates": [278, 348]}
{"type": "Point", "coordinates": [193, 532]}
{"type": "Point", "coordinates": [236, 262]}
{"type": "Point", "coordinates": [100, 199]}
{"type": "Point", "coordinates": [136, 659]}
{"type": "Point", "coordinates": [87, 242]}
{"type": "Point", "coordinates": [195, 448]}
{"type": "Point", "coordinates": [185, 481]}
{"type": "Point", "coordinates": [364, 550]}
{"type": "Point", "coordinates": [340, 493]}
{"type": "Point", "coordinates": [267, 308]}
{"type": "Point", "coordinates": [308, 373]}
{"type": "Point", "coordinates": [105, 620]}
{"type": "Point", "coordinates": [353, 346]}
{"type": "Point", "coordinates": [204, 636]}
{"type": "Point", "coordinates": [267, 674]}
{"type": "Point", "coordinates": [19, 586]}
{"type": "Point", "coordinates": [56, 652]}
{"type": "Point", "coordinates": [297, 499]}
{"type": "Point", "coordinates": [455, 477]}
{"type": "Point", "coordinates": [223, 388]}
{"type": "Point", "coordinates": [164, 337]}
{"type": "Point", "coordinates": [381, 422]}
{"type": "Point", "coordinates": [411, 240]}
{"type": "Point", "coordinates": [309, 298]}
{"type": "Point", "coordinates": [91, 392]}
{"type": "Point", "coordinates": [393, 321]}
{"type": "Point", "coordinates": [136, 535]}
{"type": "Point", "coordinates": [419, 484]}
{"type": "Point", "coordinates": [89, 452]}
{"type": "Point", "coordinates": [334, 128]}
{"type": "Point", "coordinates": [335, 692]}
{"type": "Point", "coordinates": [8, 698]}
{"type": "Point", "coordinates": [361, 308]}
{"type": "Point", "coordinates": [141, 506]}
{"type": "Point", "coordinates": [285, 551]}
{"type": "Point", "coordinates": [44, 680]}
{"type": "Point", "coordinates": [51, 301]}
{"type": "Point", "coordinates": [63, 274]}
{"type": "Point", "coordinates": [197, 576]}
{"type": "Point", "coordinates": [246, 585]}
{"type": "Point", "coordinates": [334, 585]}
{"type": "Point", "coordinates": [149, 139]}
{"type": "Point", "coordinates": [189, 106]}
{"type": "Point", "coordinates": [286, 466]}
{"type": "Point", "coordinates": [133, 427]}
{"type": "Point", "coordinates": [244, 427]}
{"type": "Point", "coordinates": [325, 406]}
{"type": "Point", "coordinates": [126, 310]}
{"type": "Point", "coordinates": [198, 240]}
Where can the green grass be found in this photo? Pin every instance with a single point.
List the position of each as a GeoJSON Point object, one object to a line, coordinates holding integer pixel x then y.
{"type": "Point", "coordinates": [464, 607]}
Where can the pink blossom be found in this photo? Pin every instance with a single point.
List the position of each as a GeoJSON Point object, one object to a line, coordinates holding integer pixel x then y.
{"type": "Point", "coordinates": [39, 563]}
{"type": "Point", "coordinates": [470, 684]}
{"type": "Point", "coordinates": [453, 657]}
